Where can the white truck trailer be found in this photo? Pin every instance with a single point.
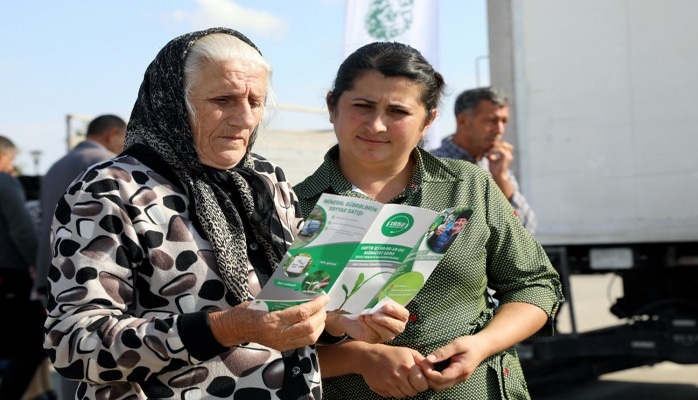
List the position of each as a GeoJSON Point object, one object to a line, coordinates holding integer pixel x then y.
{"type": "Point", "coordinates": [604, 119]}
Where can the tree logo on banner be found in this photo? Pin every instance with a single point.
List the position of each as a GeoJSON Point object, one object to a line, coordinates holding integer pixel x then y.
{"type": "Point", "coordinates": [387, 19]}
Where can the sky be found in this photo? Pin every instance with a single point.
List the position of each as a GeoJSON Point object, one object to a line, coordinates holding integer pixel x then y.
{"type": "Point", "coordinates": [86, 58]}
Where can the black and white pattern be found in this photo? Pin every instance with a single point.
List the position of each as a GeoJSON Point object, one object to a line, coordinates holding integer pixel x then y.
{"type": "Point", "coordinates": [146, 244]}
{"type": "Point", "coordinates": [130, 276]}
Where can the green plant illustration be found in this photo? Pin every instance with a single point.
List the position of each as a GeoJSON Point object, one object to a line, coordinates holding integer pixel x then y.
{"type": "Point", "coordinates": [315, 282]}
{"type": "Point", "coordinates": [357, 285]}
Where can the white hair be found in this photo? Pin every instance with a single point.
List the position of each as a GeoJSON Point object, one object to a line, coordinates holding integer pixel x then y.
{"type": "Point", "coordinates": [221, 47]}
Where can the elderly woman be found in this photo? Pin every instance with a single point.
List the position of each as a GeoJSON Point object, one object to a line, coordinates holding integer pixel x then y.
{"type": "Point", "coordinates": [158, 251]}
{"type": "Point", "coordinates": [456, 345]}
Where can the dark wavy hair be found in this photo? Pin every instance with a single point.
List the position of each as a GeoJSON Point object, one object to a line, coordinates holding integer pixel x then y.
{"type": "Point", "coordinates": [392, 59]}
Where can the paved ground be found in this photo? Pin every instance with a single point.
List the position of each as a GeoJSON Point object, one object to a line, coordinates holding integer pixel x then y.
{"type": "Point", "coordinates": [662, 382]}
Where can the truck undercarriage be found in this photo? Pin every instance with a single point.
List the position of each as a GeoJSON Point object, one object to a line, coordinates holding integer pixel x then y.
{"type": "Point", "coordinates": [658, 313]}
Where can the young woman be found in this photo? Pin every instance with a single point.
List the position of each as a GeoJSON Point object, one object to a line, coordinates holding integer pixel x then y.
{"type": "Point", "coordinates": [456, 344]}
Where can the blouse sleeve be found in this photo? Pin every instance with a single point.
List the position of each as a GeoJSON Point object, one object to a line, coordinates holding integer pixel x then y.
{"type": "Point", "coordinates": [105, 323]}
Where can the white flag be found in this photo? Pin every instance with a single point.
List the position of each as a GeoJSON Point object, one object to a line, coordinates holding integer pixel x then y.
{"type": "Point", "coordinates": [412, 22]}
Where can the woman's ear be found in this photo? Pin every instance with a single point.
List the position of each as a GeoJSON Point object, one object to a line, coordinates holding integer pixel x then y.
{"type": "Point", "coordinates": [330, 105]}
{"type": "Point", "coordinates": [431, 118]}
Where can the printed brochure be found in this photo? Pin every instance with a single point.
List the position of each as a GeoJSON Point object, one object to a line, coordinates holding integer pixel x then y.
{"type": "Point", "coordinates": [361, 253]}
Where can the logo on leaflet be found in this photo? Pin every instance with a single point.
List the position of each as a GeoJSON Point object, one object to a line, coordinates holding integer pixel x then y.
{"type": "Point", "coordinates": [397, 224]}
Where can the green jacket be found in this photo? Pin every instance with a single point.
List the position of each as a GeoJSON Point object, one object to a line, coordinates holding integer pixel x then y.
{"type": "Point", "coordinates": [493, 250]}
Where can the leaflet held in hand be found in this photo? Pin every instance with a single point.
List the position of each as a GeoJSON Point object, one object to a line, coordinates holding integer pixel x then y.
{"type": "Point", "coordinates": [360, 252]}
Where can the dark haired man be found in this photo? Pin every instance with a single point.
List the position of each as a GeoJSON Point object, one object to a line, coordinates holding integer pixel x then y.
{"type": "Point", "coordinates": [481, 118]}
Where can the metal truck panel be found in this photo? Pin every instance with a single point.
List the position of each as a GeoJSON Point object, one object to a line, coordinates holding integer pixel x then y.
{"type": "Point", "coordinates": [605, 115]}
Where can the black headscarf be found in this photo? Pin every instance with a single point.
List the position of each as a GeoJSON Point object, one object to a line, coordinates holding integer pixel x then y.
{"type": "Point", "coordinates": [159, 121]}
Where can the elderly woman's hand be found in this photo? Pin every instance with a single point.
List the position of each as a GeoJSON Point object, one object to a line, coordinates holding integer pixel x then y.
{"type": "Point", "coordinates": [287, 329]}
{"type": "Point", "coordinates": [378, 327]}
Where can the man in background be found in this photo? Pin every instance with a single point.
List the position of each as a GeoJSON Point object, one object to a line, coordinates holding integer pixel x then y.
{"type": "Point", "coordinates": [481, 118]}
{"type": "Point", "coordinates": [21, 334]}
{"type": "Point", "coordinates": [104, 140]}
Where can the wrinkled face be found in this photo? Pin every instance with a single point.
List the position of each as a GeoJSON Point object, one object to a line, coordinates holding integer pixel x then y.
{"type": "Point", "coordinates": [458, 224]}
{"type": "Point", "coordinates": [484, 127]}
{"type": "Point", "coordinates": [379, 121]}
{"type": "Point", "coordinates": [7, 159]}
{"type": "Point", "coordinates": [228, 100]}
